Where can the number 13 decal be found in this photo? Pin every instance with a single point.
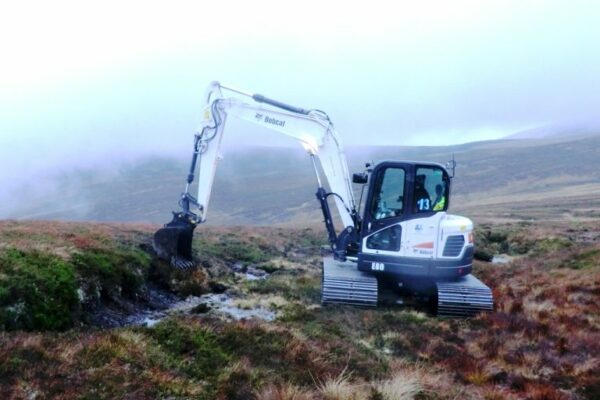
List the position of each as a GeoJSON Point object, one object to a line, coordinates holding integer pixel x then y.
{"type": "Point", "coordinates": [423, 204]}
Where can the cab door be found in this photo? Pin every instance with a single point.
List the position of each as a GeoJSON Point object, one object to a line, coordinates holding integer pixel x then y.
{"type": "Point", "coordinates": [386, 207]}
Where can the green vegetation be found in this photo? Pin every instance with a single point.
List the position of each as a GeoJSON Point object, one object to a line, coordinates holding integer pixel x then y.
{"type": "Point", "coordinates": [37, 291]}
{"type": "Point", "coordinates": [550, 244]}
{"type": "Point", "coordinates": [193, 350]}
{"type": "Point", "coordinates": [515, 240]}
{"type": "Point", "coordinates": [587, 259]}
{"type": "Point", "coordinates": [231, 248]}
{"type": "Point", "coordinates": [119, 271]}
{"type": "Point", "coordinates": [542, 341]}
{"type": "Point", "coordinates": [269, 267]}
{"type": "Point", "coordinates": [489, 241]}
{"type": "Point", "coordinates": [54, 273]}
{"type": "Point", "coordinates": [305, 288]}
{"type": "Point", "coordinates": [46, 292]}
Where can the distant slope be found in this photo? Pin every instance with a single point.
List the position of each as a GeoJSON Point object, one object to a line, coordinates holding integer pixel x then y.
{"type": "Point", "coordinates": [502, 179]}
{"type": "Point", "coordinates": [556, 132]}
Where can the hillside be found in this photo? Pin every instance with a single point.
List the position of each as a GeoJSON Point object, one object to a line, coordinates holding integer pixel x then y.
{"type": "Point", "coordinates": [557, 131]}
{"type": "Point", "coordinates": [496, 181]}
{"type": "Point", "coordinates": [60, 281]}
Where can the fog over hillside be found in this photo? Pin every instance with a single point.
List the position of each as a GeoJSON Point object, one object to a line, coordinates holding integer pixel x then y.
{"type": "Point", "coordinates": [81, 104]}
{"type": "Point", "coordinates": [266, 185]}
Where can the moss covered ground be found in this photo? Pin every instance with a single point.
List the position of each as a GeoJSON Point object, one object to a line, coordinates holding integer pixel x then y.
{"type": "Point", "coordinates": [541, 342]}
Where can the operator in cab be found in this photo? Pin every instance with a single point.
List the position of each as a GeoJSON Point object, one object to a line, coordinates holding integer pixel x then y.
{"type": "Point", "coordinates": [440, 200]}
{"type": "Point", "coordinates": [422, 198]}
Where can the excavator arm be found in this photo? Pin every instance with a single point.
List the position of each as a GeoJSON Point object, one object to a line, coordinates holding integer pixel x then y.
{"type": "Point", "coordinates": [312, 128]}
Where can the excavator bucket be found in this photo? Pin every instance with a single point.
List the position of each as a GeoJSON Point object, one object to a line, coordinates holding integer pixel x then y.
{"type": "Point", "coordinates": [173, 242]}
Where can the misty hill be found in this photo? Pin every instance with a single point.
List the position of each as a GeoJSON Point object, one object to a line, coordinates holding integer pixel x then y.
{"type": "Point", "coordinates": [503, 179]}
{"type": "Point", "coordinates": [555, 132]}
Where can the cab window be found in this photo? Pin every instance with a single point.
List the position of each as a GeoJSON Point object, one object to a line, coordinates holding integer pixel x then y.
{"type": "Point", "coordinates": [388, 194]}
{"type": "Point", "coordinates": [386, 239]}
{"type": "Point", "coordinates": [431, 190]}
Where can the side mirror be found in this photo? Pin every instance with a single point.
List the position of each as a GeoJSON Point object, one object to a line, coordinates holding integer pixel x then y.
{"type": "Point", "coordinates": [360, 178]}
{"type": "Point", "coordinates": [451, 166]}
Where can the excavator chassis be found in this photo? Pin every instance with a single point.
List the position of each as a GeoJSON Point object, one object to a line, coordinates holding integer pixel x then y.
{"type": "Point", "coordinates": [343, 283]}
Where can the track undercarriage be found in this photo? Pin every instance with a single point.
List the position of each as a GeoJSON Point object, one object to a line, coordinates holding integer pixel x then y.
{"type": "Point", "coordinates": [342, 283]}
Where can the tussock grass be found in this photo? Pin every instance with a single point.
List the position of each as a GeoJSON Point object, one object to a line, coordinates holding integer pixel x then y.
{"type": "Point", "coordinates": [284, 392]}
{"type": "Point", "coordinates": [340, 387]}
{"type": "Point", "coordinates": [400, 387]}
{"type": "Point", "coordinates": [270, 301]}
{"type": "Point", "coordinates": [542, 342]}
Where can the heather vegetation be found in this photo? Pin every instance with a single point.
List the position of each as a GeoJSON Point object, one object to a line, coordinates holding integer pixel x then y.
{"type": "Point", "coordinates": [541, 342]}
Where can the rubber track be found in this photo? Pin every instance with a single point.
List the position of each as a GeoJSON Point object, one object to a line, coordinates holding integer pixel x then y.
{"type": "Point", "coordinates": [342, 283]}
{"type": "Point", "coordinates": [463, 298]}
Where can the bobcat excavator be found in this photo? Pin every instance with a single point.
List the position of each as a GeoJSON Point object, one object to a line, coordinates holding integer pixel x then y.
{"type": "Point", "coordinates": [404, 238]}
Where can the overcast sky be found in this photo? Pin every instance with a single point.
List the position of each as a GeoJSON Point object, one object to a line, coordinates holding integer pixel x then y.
{"type": "Point", "coordinates": [85, 83]}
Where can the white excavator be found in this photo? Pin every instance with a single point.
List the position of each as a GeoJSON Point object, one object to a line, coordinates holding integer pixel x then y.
{"type": "Point", "coordinates": [404, 239]}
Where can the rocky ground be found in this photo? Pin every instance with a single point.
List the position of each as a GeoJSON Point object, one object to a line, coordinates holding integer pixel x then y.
{"type": "Point", "coordinates": [86, 311]}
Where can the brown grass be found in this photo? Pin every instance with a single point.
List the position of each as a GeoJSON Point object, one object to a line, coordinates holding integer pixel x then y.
{"type": "Point", "coordinates": [284, 392]}
{"type": "Point", "coordinates": [400, 387]}
{"type": "Point", "coordinates": [542, 342]}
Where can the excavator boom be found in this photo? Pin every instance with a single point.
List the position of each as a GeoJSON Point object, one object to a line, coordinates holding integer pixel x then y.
{"type": "Point", "coordinates": [312, 128]}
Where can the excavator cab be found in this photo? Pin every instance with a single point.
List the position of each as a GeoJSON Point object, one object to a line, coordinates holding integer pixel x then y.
{"type": "Point", "coordinates": [401, 191]}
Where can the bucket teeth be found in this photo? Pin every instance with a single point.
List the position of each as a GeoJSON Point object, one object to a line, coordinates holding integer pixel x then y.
{"type": "Point", "coordinates": [182, 264]}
